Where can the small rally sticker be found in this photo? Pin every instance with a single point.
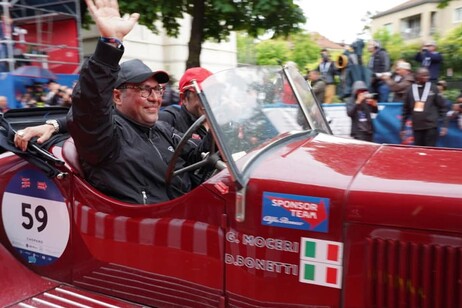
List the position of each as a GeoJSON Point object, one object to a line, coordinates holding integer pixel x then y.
{"type": "Point", "coordinates": [35, 217]}
{"type": "Point", "coordinates": [321, 262]}
{"type": "Point", "coordinates": [295, 212]}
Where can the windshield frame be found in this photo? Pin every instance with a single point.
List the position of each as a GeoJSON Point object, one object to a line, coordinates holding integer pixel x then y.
{"type": "Point", "coordinates": [312, 112]}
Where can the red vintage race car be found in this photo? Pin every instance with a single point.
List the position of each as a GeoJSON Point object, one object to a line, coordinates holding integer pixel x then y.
{"type": "Point", "coordinates": [291, 216]}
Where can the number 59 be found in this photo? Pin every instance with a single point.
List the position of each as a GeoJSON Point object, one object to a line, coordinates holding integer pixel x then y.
{"type": "Point", "coordinates": [40, 214]}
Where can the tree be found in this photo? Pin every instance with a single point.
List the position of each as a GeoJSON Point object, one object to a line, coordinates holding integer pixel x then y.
{"type": "Point", "coordinates": [215, 19]}
{"type": "Point", "coordinates": [272, 52]}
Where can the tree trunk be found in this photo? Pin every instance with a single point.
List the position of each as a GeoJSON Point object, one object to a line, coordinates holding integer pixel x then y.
{"type": "Point", "coordinates": [197, 34]}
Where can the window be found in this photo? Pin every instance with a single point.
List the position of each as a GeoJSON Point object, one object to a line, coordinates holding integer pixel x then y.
{"type": "Point", "coordinates": [458, 15]}
{"type": "Point", "coordinates": [410, 27]}
{"type": "Point", "coordinates": [388, 27]}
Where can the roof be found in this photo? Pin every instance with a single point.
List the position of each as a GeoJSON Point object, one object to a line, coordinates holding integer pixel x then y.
{"type": "Point", "coordinates": [404, 6]}
{"type": "Point", "coordinates": [324, 42]}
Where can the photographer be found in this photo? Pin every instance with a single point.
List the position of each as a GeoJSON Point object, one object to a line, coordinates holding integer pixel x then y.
{"type": "Point", "coordinates": [359, 108]}
{"type": "Point", "coordinates": [431, 59]}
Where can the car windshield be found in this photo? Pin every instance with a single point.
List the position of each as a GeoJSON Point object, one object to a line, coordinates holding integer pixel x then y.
{"type": "Point", "coordinates": [252, 107]}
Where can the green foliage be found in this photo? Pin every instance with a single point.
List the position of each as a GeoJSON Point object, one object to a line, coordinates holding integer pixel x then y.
{"type": "Point", "coordinates": [246, 49]}
{"type": "Point", "coordinates": [219, 17]}
{"type": "Point", "coordinates": [304, 50]}
{"type": "Point", "coordinates": [452, 94]}
{"type": "Point", "coordinates": [451, 48]}
{"type": "Point", "coordinates": [272, 52]}
{"type": "Point", "coordinates": [393, 43]}
{"type": "Point", "coordinates": [299, 48]}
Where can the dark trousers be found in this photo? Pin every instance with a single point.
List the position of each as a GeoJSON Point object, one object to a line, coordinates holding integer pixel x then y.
{"type": "Point", "coordinates": [363, 136]}
{"type": "Point", "coordinates": [426, 137]}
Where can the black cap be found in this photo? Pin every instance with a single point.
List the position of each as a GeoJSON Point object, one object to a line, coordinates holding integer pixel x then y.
{"type": "Point", "coordinates": [135, 71]}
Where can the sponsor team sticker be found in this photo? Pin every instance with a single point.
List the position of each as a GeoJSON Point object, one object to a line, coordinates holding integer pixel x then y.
{"type": "Point", "coordinates": [295, 212]}
{"type": "Point", "coordinates": [35, 217]}
{"type": "Point", "coordinates": [321, 262]}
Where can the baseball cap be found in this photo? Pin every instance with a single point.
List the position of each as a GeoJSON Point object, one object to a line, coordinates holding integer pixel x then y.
{"type": "Point", "coordinates": [195, 73]}
{"type": "Point", "coordinates": [135, 71]}
{"type": "Point", "coordinates": [404, 65]}
{"type": "Point", "coordinates": [430, 43]}
{"type": "Point", "coordinates": [359, 86]}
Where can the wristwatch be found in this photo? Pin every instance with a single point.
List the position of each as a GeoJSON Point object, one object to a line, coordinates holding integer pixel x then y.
{"type": "Point", "coordinates": [55, 125]}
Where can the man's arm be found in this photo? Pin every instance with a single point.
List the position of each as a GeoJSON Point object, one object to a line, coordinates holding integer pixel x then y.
{"type": "Point", "coordinates": [92, 123]}
{"type": "Point", "coordinates": [42, 132]}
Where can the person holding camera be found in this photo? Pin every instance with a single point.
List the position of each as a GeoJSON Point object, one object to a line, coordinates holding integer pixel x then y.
{"type": "Point", "coordinates": [401, 82]}
{"type": "Point", "coordinates": [360, 108]}
{"type": "Point", "coordinates": [431, 59]}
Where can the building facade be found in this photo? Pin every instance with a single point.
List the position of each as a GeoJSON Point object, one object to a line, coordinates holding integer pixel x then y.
{"type": "Point", "coordinates": [418, 21]}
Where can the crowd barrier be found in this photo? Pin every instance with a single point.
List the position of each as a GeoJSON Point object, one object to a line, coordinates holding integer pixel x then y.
{"type": "Point", "coordinates": [387, 124]}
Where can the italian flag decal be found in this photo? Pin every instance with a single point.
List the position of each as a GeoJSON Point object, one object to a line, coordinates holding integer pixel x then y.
{"type": "Point", "coordinates": [321, 262]}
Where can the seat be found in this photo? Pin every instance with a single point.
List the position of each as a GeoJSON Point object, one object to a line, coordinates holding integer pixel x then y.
{"type": "Point", "coordinates": [71, 157]}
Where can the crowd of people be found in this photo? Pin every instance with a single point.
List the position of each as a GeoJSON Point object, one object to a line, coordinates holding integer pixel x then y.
{"type": "Point", "coordinates": [46, 94]}
{"type": "Point", "coordinates": [420, 90]}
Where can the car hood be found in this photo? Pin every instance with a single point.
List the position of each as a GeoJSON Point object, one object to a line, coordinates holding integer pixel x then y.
{"type": "Point", "coordinates": [388, 185]}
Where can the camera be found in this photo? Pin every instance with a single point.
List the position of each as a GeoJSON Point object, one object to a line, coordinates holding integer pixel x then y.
{"type": "Point", "coordinates": [371, 96]}
{"type": "Point", "coordinates": [379, 75]}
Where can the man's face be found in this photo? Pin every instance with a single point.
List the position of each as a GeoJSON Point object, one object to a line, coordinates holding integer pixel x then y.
{"type": "Point", "coordinates": [3, 102]}
{"type": "Point", "coordinates": [142, 110]}
{"type": "Point", "coordinates": [422, 76]}
{"type": "Point", "coordinates": [193, 104]}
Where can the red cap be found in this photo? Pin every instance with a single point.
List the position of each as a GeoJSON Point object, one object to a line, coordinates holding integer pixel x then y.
{"type": "Point", "coordinates": [196, 73]}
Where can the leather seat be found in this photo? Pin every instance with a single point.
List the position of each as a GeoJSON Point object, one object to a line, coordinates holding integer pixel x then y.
{"type": "Point", "coordinates": [71, 157]}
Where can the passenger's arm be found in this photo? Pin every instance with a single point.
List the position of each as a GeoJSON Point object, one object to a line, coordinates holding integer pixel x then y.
{"type": "Point", "coordinates": [42, 132]}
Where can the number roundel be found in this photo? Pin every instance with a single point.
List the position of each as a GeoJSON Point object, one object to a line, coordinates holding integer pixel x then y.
{"type": "Point", "coordinates": [35, 217]}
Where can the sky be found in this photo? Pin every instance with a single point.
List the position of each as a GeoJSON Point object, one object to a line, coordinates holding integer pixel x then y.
{"type": "Point", "coordinates": [340, 20]}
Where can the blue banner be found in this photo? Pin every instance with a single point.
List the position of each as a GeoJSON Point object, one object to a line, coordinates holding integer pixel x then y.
{"type": "Point", "coordinates": [387, 124]}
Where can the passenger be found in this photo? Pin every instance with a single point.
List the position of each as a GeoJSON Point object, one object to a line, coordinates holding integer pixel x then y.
{"type": "Point", "coordinates": [124, 151]}
{"type": "Point", "coordinates": [182, 117]}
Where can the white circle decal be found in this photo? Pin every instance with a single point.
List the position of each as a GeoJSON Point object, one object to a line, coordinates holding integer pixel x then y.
{"type": "Point", "coordinates": [35, 217]}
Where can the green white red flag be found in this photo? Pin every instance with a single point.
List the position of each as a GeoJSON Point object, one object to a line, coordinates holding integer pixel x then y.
{"type": "Point", "coordinates": [321, 262]}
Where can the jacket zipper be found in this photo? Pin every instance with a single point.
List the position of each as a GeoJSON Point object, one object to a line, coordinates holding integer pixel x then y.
{"type": "Point", "coordinates": [145, 197]}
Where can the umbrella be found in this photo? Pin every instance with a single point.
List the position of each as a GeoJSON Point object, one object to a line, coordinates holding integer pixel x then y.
{"type": "Point", "coordinates": [34, 72]}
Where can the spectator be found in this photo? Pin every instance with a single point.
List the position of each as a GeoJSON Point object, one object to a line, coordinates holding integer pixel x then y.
{"type": "Point", "coordinates": [28, 100]}
{"type": "Point", "coordinates": [401, 82]}
{"type": "Point", "coordinates": [50, 98]}
{"type": "Point", "coordinates": [171, 97]}
{"type": "Point", "coordinates": [318, 85]}
{"type": "Point", "coordinates": [379, 64]}
{"type": "Point", "coordinates": [3, 104]}
{"type": "Point", "coordinates": [360, 108]}
{"type": "Point", "coordinates": [431, 59]}
{"type": "Point", "coordinates": [442, 87]}
{"type": "Point", "coordinates": [328, 71]}
{"type": "Point", "coordinates": [455, 113]}
{"type": "Point", "coordinates": [426, 108]}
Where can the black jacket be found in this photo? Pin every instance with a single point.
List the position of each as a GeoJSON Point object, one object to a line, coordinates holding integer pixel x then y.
{"type": "Point", "coordinates": [180, 118]}
{"type": "Point", "coordinates": [121, 158]}
{"type": "Point", "coordinates": [434, 111]}
{"type": "Point", "coordinates": [361, 119]}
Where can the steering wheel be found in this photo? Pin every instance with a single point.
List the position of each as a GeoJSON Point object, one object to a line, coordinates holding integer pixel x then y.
{"type": "Point", "coordinates": [208, 159]}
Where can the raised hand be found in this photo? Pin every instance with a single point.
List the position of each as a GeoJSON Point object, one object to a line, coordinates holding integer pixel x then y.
{"type": "Point", "coordinates": [107, 18]}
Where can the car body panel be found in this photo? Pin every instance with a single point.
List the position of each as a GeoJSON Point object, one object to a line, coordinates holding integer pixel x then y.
{"type": "Point", "coordinates": [298, 218]}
